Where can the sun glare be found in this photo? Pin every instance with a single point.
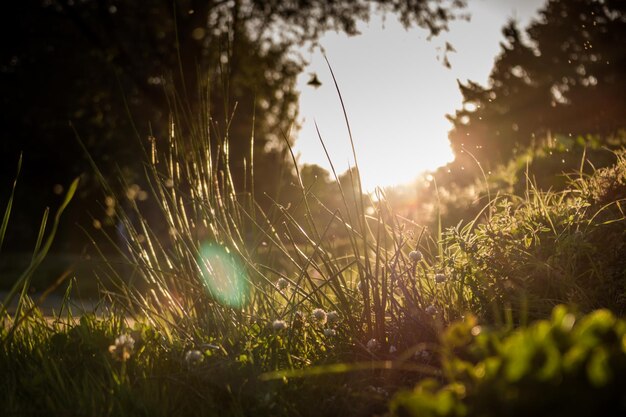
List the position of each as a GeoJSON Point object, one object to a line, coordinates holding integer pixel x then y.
{"type": "Point", "coordinates": [396, 93]}
{"type": "Point", "coordinates": [406, 157]}
{"type": "Point", "coordinates": [223, 276]}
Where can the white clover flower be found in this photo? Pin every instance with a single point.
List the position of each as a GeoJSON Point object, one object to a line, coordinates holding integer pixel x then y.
{"type": "Point", "coordinates": [333, 316]}
{"type": "Point", "coordinates": [282, 284]}
{"type": "Point", "coordinates": [279, 325]}
{"type": "Point", "coordinates": [372, 345]}
{"type": "Point", "coordinates": [320, 316]}
{"type": "Point", "coordinates": [330, 332]}
{"type": "Point", "coordinates": [439, 278]}
{"type": "Point", "coordinates": [378, 390]}
{"type": "Point", "coordinates": [193, 357]}
{"type": "Point", "coordinates": [123, 347]}
{"type": "Point", "coordinates": [392, 349]}
{"type": "Point", "coordinates": [415, 255]}
{"type": "Point", "coordinates": [431, 309]}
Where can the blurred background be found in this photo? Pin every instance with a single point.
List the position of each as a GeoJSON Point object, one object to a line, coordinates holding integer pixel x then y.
{"type": "Point", "coordinates": [472, 96]}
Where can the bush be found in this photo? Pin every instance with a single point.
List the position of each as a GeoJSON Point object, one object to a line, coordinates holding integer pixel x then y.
{"type": "Point", "coordinates": [546, 248]}
{"type": "Point", "coordinates": [564, 366]}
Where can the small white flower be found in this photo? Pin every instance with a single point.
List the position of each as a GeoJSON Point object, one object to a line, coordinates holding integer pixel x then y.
{"type": "Point", "coordinates": [320, 316]}
{"type": "Point", "coordinates": [333, 317]}
{"type": "Point", "coordinates": [392, 349]}
{"type": "Point", "coordinates": [378, 390]}
{"type": "Point", "coordinates": [431, 310]}
{"type": "Point", "coordinates": [282, 284]}
{"type": "Point", "coordinates": [279, 325]}
{"type": "Point", "coordinates": [330, 332]}
{"type": "Point", "coordinates": [372, 345]}
{"type": "Point", "coordinates": [123, 347]}
{"type": "Point", "coordinates": [415, 255]}
{"type": "Point", "coordinates": [439, 278]}
{"type": "Point", "coordinates": [193, 357]}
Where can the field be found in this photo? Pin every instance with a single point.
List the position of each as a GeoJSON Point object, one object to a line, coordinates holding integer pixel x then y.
{"type": "Point", "coordinates": [222, 307]}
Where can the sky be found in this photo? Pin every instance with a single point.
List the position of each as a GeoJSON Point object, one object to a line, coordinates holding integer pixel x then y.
{"type": "Point", "coordinates": [397, 91]}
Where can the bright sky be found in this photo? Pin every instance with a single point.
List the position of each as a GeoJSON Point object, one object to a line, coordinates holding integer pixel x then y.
{"type": "Point", "coordinates": [397, 92]}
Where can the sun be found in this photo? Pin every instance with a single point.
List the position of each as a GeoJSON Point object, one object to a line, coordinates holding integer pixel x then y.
{"type": "Point", "coordinates": [396, 95]}
{"type": "Point", "coordinates": [409, 153]}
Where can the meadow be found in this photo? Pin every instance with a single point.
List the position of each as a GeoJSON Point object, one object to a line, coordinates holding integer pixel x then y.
{"type": "Point", "coordinates": [223, 306]}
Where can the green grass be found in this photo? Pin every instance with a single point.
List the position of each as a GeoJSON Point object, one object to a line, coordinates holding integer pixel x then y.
{"type": "Point", "coordinates": [228, 302]}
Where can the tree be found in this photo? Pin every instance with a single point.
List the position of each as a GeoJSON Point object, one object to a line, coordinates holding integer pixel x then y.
{"type": "Point", "coordinates": [567, 77]}
{"type": "Point", "coordinates": [104, 66]}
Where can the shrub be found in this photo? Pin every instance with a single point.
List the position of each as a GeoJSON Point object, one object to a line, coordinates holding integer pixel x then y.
{"type": "Point", "coordinates": [546, 248]}
{"type": "Point", "coordinates": [564, 366]}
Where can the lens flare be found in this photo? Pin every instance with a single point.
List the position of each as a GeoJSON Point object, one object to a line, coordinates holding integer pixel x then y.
{"type": "Point", "coordinates": [223, 275]}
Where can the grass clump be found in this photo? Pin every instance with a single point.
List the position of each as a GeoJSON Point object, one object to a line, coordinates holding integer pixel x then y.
{"type": "Point", "coordinates": [530, 253]}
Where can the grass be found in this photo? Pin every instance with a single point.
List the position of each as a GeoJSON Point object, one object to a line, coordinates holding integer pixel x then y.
{"type": "Point", "coordinates": [224, 307]}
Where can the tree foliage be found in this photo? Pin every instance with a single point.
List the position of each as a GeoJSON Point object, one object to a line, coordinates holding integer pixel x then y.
{"type": "Point", "coordinates": [117, 70]}
{"type": "Point", "coordinates": [564, 75]}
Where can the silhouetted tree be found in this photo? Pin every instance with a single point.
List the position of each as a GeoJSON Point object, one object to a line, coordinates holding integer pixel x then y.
{"type": "Point", "coordinates": [105, 65]}
{"type": "Point", "coordinates": [565, 75]}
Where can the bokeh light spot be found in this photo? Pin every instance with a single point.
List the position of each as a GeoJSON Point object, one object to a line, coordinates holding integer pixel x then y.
{"type": "Point", "coordinates": [223, 275]}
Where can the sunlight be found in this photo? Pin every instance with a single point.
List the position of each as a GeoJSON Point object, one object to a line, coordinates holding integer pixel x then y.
{"type": "Point", "coordinates": [396, 104]}
{"type": "Point", "coordinates": [397, 92]}
{"type": "Point", "coordinates": [405, 157]}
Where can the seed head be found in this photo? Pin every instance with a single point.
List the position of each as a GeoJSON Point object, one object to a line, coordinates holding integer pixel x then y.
{"type": "Point", "coordinates": [282, 284]}
{"type": "Point", "coordinates": [320, 316]}
{"type": "Point", "coordinates": [330, 332]}
{"type": "Point", "coordinates": [415, 255]}
{"type": "Point", "coordinates": [333, 317]}
{"type": "Point", "coordinates": [193, 357]}
{"type": "Point", "coordinates": [122, 348]}
{"type": "Point", "coordinates": [372, 345]}
{"type": "Point", "coordinates": [279, 325]}
{"type": "Point", "coordinates": [431, 310]}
